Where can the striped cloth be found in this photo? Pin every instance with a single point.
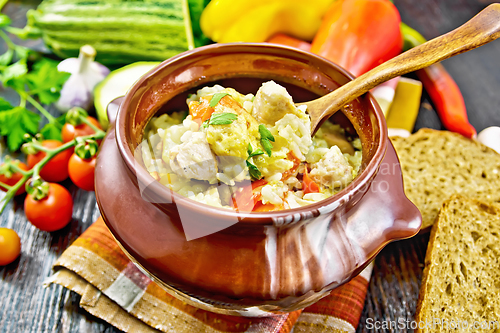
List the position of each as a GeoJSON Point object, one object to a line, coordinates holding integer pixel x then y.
{"type": "Point", "coordinates": [113, 289]}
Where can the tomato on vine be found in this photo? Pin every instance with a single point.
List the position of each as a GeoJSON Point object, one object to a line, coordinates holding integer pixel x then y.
{"type": "Point", "coordinates": [48, 206]}
{"type": "Point", "coordinates": [10, 246]}
{"type": "Point", "coordinates": [70, 131]}
{"type": "Point", "coordinates": [81, 171]}
{"type": "Point", "coordinates": [49, 160]}
{"type": "Point", "coordinates": [81, 165]}
{"type": "Point", "coordinates": [56, 169]}
{"type": "Point", "coordinates": [11, 177]}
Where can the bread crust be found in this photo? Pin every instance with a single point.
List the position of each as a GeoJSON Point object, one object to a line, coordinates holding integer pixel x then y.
{"type": "Point", "coordinates": [430, 278]}
{"type": "Point", "coordinates": [437, 164]}
{"type": "Point", "coordinates": [427, 262]}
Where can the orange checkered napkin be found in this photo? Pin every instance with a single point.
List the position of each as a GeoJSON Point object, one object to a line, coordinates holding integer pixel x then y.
{"type": "Point", "coordinates": [113, 289]}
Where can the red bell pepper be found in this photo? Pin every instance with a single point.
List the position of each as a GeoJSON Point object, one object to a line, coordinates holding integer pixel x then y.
{"type": "Point", "coordinates": [269, 207]}
{"type": "Point", "coordinates": [201, 110]}
{"type": "Point", "coordinates": [309, 185]}
{"type": "Point", "coordinates": [358, 35]}
{"type": "Point", "coordinates": [246, 198]}
{"type": "Point", "coordinates": [289, 41]}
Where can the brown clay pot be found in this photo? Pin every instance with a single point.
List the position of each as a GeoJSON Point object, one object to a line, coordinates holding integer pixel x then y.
{"type": "Point", "coordinates": [257, 262]}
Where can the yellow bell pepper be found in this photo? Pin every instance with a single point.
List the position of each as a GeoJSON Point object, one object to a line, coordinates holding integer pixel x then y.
{"type": "Point", "coordinates": [227, 21]}
{"type": "Point", "coordinates": [406, 104]}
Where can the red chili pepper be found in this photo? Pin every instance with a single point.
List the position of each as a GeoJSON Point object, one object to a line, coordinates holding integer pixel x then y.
{"type": "Point", "coordinates": [442, 89]}
{"type": "Point", "coordinates": [447, 99]}
{"type": "Point", "coordinates": [358, 35]}
{"type": "Point", "coordinates": [289, 41]}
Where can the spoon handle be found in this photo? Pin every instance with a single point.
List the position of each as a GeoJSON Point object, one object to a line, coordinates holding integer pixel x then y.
{"type": "Point", "coordinates": [481, 29]}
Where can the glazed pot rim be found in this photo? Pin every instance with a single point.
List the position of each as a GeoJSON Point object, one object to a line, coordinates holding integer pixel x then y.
{"type": "Point", "coordinates": [260, 218]}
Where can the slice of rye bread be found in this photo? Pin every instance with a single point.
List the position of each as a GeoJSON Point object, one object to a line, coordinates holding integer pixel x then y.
{"type": "Point", "coordinates": [461, 279]}
{"type": "Point", "coordinates": [438, 164]}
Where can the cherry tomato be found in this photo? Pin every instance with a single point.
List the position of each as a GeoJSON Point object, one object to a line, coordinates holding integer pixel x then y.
{"type": "Point", "coordinates": [10, 246]}
{"type": "Point", "coordinates": [14, 179]}
{"type": "Point", "coordinates": [81, 171]}
{"type": "Point", "coordinates": [69, 132]}
{"type": "Point", "coordinates": [52, 212]}
{"type": "Point", "coordinates": [56, 169]}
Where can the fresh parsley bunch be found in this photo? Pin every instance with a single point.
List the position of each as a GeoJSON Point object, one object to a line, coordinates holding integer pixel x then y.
{"type": "Point", "coordinates": [38, 82]}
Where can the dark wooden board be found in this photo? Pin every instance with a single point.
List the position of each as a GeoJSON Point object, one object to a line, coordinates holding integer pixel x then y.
{"type": "Point", "coordinates": [27, 306]}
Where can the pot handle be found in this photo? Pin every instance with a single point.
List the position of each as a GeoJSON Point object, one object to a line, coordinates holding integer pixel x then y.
{"type": "Point", "coordinates": [112, 109]}
{"type": "Point", "coordinates": [384, 214]}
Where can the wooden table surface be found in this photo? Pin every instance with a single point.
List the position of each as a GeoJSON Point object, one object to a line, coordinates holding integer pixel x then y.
{"type": "Point", "coordinates": [26, 306]}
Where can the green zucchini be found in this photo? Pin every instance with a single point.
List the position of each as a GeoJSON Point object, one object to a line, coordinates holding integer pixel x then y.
{"type": "Point", "coordinates": [121, 31]}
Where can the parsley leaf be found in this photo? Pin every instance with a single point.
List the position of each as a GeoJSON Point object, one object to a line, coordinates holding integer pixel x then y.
{"type": "Point", "coordinates": [11, 73]}
{"type": "Point", "coordinates": [216, 99]}
{"type": "Point", "coordinates": [253, 171]}
{"type": "Point", "coordinates": [22, 53]}
{"type": "Point", "coordinates": [5, 105]}
{"type": "Point", "coordinates": [225, 118]}
{"type": "Point", "coordinates": [52, 130]}
{"type": "Point", "coordinates": [46, 81]}
{"type": "Point", "coordinates": [6, 58]}
{"type": "Point", "coordinates": [268, 146]}
{"type": "Point", "coordinates": [16, 122]}
{"type": "Point", "coordinates": [265, 133]}
{"type": "Point", "coordinates": [253, 153]}
{"type": "Point", "coordinates": [265, 139]}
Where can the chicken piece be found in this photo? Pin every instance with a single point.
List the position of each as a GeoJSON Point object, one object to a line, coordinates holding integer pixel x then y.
{"type": "Point", "coordinates": [229, 104]}
{"type": "Point", "coordinates": [337, 139]}
{"type": "Point", "coordinates": [233, 139]}
{"type": "Point", "coordinates": [333, 170]}
{"type": "Point", "coordinates": [194, 159]}
{"type": "Point", "coordinates": [272, 102]}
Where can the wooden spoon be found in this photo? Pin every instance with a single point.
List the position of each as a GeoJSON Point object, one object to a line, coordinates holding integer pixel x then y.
{"type": "Point", "coordinates": [481, 29]}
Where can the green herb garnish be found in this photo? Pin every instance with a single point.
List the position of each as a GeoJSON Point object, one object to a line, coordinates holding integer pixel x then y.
{"type": "Point", "coordinates": [252, 153]}
{"type": "Point", "coordinates": [265, 139]}
{"type": "Point", "coordinates": [225, 118]}
{"type": "Point", "coordinates": [253, 171]}
{"type": "Point", "coordinates": [216, 99]}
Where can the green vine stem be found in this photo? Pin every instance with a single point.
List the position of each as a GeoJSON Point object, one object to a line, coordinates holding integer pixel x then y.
{"type": "Point", "coordinates": [5, 186]}
{"type": "Point", "coordinates": [2, 3]}
{"type": "Point", "coordinates": [34, 173]}
{"type": "Point", "coordinates": [7, 40]}
{"type": "Point", "coordinates": [38, 106]}
{"type": "Point", "coordinates": [18, 169]}
{"type": "Point", "coordinates": [90, 124]}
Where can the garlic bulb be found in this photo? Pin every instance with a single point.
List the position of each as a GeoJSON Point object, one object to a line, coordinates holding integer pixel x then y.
{"type": "Point", "coordinates": [490, 137]}
{"type": "Point", "coordinates": [85, 75]}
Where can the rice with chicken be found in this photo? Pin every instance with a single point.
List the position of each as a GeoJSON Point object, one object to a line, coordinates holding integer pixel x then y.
{"type": "Point", "coordinates": [249, 152]}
